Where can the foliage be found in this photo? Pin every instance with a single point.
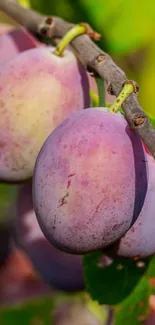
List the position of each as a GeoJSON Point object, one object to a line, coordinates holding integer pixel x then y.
{"type": "Point", "coordinates": [111, 283]}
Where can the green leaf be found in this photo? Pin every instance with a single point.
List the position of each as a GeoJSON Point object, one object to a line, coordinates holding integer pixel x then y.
{"type": "Point", "coordinates": [134, 309]}
{"type": "Point", "coordinates": [112, 283]}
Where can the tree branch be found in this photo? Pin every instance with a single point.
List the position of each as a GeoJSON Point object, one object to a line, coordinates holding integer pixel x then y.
{"type": "Point", "coordinates": [92, 57]}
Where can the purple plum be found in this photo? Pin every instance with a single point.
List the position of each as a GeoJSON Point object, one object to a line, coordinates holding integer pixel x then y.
{"type": "Point", "coordinates": [38, 90]}
{"type": "Point", "coordinates": [60, 270]}
{"type": "Point", "coordinates": [90, 181]}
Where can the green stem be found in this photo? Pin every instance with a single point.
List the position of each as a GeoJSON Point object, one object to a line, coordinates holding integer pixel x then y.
{"type": "Point", "coordinates": [126, 91]}
{"type": "Point", "coordinates": [101, 93]}
{"type": "Point", "coordinates": [94, 98]}
{"type": "Point", "coordinates": [69, 36]}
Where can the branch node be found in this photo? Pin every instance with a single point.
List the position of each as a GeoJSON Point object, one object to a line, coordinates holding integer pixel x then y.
{"type": "Point", "coordinates": [110, 90]}
{"type": "Point", "coordinates": [100, 58]}
{"type": "Point", "coordinates": [49, 20]}
{"type": "Point", "coordinates": [45, 28]}
{"type": "Point", "coordinates": [92, 72]}
{"type": "Point", "coordinates": [90, 32]}
{"type": "Point", "coordinates": [138, 121]}
{"type": "Point", "coordinates": [43, 31]}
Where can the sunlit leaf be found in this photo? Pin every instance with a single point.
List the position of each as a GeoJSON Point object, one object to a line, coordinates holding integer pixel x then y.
{"type": "Point", "coordinates": [111, 283]}
{"type": "Point", "coordinates": [134, 309]}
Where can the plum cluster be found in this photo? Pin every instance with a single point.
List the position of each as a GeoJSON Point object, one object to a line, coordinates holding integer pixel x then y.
{"type": "Point", "coordinates": [93, 186]}
{"type": "Point", "coordinates": [89, 180]}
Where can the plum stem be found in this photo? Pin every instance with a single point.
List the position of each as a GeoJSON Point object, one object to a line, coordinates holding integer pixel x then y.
{"type": "Point", "coordinates": [94, 98]}
{"type": "Point", "coordinates": [101, 94]}
{"type": "Point", "coordinates": [69, 36]}
{"type": "Point", "coordinates": [126, 91]}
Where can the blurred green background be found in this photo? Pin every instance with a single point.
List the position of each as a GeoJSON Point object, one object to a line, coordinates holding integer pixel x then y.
{"type": "Point", "coordinates": [128, 35]}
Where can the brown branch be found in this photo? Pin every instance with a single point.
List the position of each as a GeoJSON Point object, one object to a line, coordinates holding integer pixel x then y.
{"type": "Point", "coordinates": [92, 57]}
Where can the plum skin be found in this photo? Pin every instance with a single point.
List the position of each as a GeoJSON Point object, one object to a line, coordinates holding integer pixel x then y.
{"type": "Point", "coordinates": [59, 270]}
{"type": "Point", "coordinates": [139, 241]}
{"type": "Point", "coordinates": [89, 182]}
{"type": "Point", "coordinates": [37, 90]}
{"type": "Point", "coordinates": [14, 42]}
